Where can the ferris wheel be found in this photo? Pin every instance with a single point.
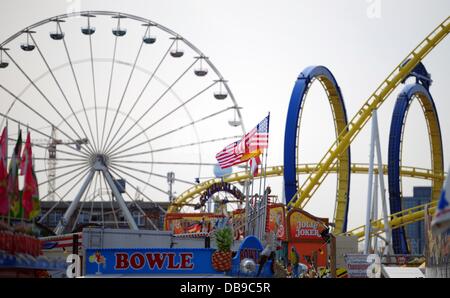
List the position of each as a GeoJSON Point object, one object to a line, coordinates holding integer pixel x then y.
{"type": "Point", "coordinates": [119, 107]}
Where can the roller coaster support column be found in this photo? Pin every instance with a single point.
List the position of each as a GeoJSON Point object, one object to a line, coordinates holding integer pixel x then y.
{"type": "Point", "coordinates": [387, 229]}
{"type": "Point", "coordinates": [375, 211]}
{"type": "Point", "coordinates": [370, 186]}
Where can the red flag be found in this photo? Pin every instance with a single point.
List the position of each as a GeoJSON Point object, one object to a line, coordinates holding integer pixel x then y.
{"type": "Point", "coordinates": [4, 203]}
{"type": "Point", "coordinates": [28, 189]}
{"type": "Point", "coordinates": [26, 152]}
{"type": "Point", "coordinates": [26, 168]}
{"type": "Point", "coordinates": [4, 147]}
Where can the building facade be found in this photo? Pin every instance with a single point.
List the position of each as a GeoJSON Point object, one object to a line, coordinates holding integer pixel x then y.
{"type": "Point", "coordinates": [415, 232]}
{"type": "Point", "coordinates": [104, 214]}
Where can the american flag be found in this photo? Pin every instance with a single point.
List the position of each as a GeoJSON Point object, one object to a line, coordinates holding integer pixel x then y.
{"type": "Point", "coordinates": [248, 147]}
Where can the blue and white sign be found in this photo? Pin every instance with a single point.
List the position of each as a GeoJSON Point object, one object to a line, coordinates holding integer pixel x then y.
{"type": "Point", "coordinates": [149, 261]}
{"type": "Point", "coordinates": [441, 220]}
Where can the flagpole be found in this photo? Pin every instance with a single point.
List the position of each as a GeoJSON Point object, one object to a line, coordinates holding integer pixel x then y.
{"type": "Point", "coordinates": [266, 195]}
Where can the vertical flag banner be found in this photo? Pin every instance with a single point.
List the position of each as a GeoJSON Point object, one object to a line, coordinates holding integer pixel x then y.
{"type": "Point", "coordinates": [25, 154]}
{"type": "Point", "coordinates": [36, 210]}
{"type": "Point", "coordinates": [13, 179]}
{"type": "Point", "coordinates": [29, 185]}
{"type": "Point", "coordinates": [250, 146]}
{"type": "Point", "coordinates": [441, 220]}
{"type": "Point", "coordinates": [4, 203]}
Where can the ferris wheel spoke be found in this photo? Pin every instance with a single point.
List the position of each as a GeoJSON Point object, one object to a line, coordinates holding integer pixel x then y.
{"type": "Point", "coordinates": [42, 94]}
{"type": "Point", "coordinates": [61, 167]}
{"type": "Point", "coordinates": [62, 159]}
{"type": "Point", "coordinates": [81, 206]}
{"type": "Point", "coordinates": [41, 116]}
{"type": "Point", "coordinates": [137, 179]}
{"type": "Point", "coordinates": [58, 150]}
{"type": "Point", "coordinates": [78, 89]}
{"type": "Point", "coordinates": [63, 196]}
{"type": "Point", "coordinates": [109, 90]}
{"type": "Point", "coordinates": [109, 146]}
{"type": "Point", "coordinates": [95, 189]}
{"type": "Point", "coordinates": [125, 90]}
{"type": "Point", "coordinates": [175, 147]}
{"type": "Point", "coordinates": [143, 212]}
{"type": "Point", "coordinates": [63, 175]}
{"type": "Point", "coordinates": [140, 94]}
{"type": "Point", "coordinates": [46, 135]}
{"type": "Point", "coordinates": [162, 118]}
{"type": "Point", "coordinates": [111, 201]}
{"type": "Point", "coordinates": [153, 173]}
{"type": "Point", "coordinates": [166, 163]}
{"type": "Point", "coordinates": [145, 196]}
{"type": "Point", "coordinates": [115, 152]}
{"type": "Point", "coordinates": [47, 147]}
{"type": "Point", "coordinates": [101, 201]}
{"type": "Point", "coordinates": [94, 88]}
{"type": "Point", "coordinates": [60, 89]}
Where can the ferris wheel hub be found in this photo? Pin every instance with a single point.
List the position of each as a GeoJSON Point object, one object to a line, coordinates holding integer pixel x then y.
{"type": "Point", "coordinates": [99, 161]}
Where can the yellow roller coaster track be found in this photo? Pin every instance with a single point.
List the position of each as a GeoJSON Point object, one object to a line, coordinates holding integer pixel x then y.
{"type": "Point", "coordinates": [357, 168]}
{"type": "Point", "coordinates": [322, 169]}
{"type": "Point", "coordinates": [396, 220]}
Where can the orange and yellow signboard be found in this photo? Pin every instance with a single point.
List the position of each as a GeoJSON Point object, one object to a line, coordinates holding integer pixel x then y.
{"type": "Point", "coordinates": [304, 226]}
{"type": "Point", "coordinates": [304, 236]}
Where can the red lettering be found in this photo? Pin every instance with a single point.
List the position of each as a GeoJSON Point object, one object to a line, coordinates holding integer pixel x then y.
{"type": "Point", "coordinates": [186, 261]}
{"type": "Point", "coordinates": [172, 264]}
{"type": "Point", "coordinates": [122, 261]}
{"type": "Point", "coordinates": [137, 261]}
{"type": "Point", "coordinates": [155, 258]}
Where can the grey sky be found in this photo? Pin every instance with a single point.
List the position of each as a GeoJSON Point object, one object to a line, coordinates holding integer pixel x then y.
{"type": "Point", "coordinates": [261, 46]}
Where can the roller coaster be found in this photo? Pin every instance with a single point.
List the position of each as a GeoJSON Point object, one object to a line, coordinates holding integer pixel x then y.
{"type": "Point", "coordinates": [338, 160]}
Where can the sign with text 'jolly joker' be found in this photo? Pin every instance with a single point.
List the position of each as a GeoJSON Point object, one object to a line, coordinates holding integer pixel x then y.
{"type": "Point", "coordinates": [304, 226]}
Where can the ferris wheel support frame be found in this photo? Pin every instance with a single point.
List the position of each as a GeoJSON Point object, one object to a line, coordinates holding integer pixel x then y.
{"type": "Point", "coordinates": [99, 166]}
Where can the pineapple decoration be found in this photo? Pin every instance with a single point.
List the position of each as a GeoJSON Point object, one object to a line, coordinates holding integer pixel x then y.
{"type": "Point", "coordinates": [221, 259]}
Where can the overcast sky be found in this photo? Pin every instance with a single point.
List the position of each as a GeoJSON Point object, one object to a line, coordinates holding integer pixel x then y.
{"type": "Point", "coordinates": [261, 47]}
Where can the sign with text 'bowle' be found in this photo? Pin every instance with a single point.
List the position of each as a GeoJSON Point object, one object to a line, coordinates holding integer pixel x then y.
{"type": "Point", "coordinates": [149, 261]}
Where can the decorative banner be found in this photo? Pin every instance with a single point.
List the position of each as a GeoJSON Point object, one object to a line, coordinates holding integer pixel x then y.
{"type": "Point", "coordinates": [277, 221]}
{"type": "Point", "coordinates": [304, 226]}
{"type": "Point", "coordinates": [149, 261]}
{"type": "Point", "coordinates": [181, 223]}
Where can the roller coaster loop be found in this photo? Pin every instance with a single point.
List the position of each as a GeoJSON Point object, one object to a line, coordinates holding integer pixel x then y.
{"type": "Point", "coordinates": [291, 138]}
{"type": "Point", "coordinates": [420, 91]}
{"type": "Point", "coordinates": [342, 143]}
